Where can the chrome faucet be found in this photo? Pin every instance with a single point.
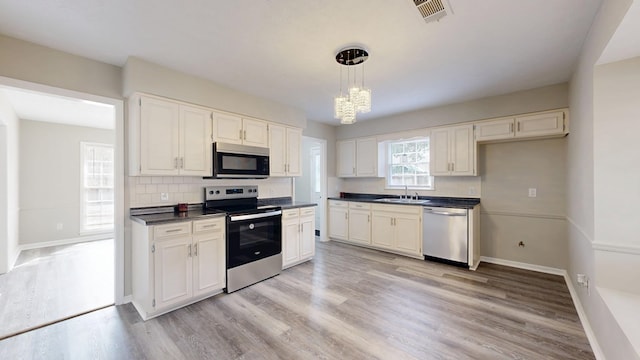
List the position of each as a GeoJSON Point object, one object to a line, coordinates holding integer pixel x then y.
{"type": "Point", "coordinates": [406, 192]}
{"type": "Point", "coordinates": [417, 195]}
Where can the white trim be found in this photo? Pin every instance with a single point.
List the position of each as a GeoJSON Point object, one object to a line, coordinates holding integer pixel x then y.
{"type": "Point", "coordinates": [119, 165]}
{"type": "Point", "coordinates": [582, 315]}
{"type": "Point", "coordinates": [525, 266]}
{"type": "Point", "coordinates": [591, 336]}
{"type": "Point", "coordinates": [70, 241]}
{"type": "Point", "coordinates": [527, 215]}
{"type": "Point", "coordinates": [580, 229]}
{"type": "Point", "coordinates": [126, 299]}
{"type": "Point", "coordinates": [618, 248]}
{"type": "Point", "coordinates": [324, 217]}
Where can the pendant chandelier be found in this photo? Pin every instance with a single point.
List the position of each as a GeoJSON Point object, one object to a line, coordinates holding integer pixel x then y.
{"type": "Point", "coordinates": [357, 99]}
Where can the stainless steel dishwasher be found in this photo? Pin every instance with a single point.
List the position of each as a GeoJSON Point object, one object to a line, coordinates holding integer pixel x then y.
{"type": "Point", "coordinates": [445, 234]}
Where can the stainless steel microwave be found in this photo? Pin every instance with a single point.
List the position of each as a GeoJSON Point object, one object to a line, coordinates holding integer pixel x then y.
{"type": "Point", "coordinates": [233, 161]}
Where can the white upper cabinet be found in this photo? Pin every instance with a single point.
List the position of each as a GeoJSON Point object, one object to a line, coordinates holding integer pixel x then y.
{"type": "Point", "coordinates": [537, 125]}
{"type": "Point", "coordinates": [168, 138]}
{"type": "Point", "coordinates": [358, 157]}
{"type": "Point", "coordinates": [543, 124]}
{"type": "Point", "coordinates": [234, 129]}
{"type": "Point", "coordinates": [453, 151]}
{"type": "Point", "coordinates": [285, 145]}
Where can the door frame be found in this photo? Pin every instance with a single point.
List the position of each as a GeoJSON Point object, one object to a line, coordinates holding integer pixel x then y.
{"type": "Point", "coordinates": [322, 206]}
{"type": "Point", "coordinates": [119, 186]}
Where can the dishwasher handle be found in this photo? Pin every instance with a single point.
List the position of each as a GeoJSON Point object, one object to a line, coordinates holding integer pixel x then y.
{"type": "Point", "coordinates": [456, 212]}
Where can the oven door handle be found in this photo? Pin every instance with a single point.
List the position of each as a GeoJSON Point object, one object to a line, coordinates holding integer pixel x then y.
{"type": "Point", "coordinates": [255, 216]}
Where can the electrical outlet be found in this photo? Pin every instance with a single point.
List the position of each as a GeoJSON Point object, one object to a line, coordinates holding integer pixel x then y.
{"type": "Point", "coordinates": [59, 226]}
{"type": "Point", "coordinates": [164, 196]}
{"type": "Point", "coordinates": [472, 190]}
{"type": "Point", "coordinates": [533, 192]}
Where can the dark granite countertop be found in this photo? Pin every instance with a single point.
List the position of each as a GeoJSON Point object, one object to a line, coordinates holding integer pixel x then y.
{"type": "Point", "coordinates": [285, 203]}
{"type": "Point", "coordinates": [165, 214]}
{"type": "Point", "coordinates": [435, 201]}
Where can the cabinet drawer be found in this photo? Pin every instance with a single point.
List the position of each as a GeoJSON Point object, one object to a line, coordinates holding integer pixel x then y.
{"type": "Point", "coordinates": [289, 213]}
{"type": "Point", "coordinates": [399, 209]}
{"type": "Point", "coordinates": [208, 225]}
{"type": "Point", "coordinates": [359, 205]}
{"type": "Point", "coordinates": [162, 231]}
{"type": "Point", "coordinates": [308, 211]}
{"type": "Point", "coordinates": [337, 203]}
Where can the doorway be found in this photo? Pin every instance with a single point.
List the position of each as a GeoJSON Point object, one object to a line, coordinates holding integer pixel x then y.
{"type": "Point", "coordinates": [70, 240]}
{"type": "Point", "coordinates": [312, 185]}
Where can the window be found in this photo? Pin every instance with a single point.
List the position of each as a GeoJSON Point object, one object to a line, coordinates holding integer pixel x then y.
{"type": "Point", "coordinates": [97, 187]}
{"type": "Point", "coordinates": [408, 164]}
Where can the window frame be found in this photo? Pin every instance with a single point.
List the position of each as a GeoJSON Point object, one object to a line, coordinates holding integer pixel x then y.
{"type": "Point", "coordinates": [84, 229]}
{"type": "Point", "coordinates": [387, 156]}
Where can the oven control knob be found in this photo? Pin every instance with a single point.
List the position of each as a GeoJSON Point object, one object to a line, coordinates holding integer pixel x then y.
{"type": "Point", "coordinates": [217, 192]}
{"type": "Point", "coordinates": [210, 192]}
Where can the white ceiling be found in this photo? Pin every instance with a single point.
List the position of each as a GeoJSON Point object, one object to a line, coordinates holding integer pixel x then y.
{"type": "Point", "coordinates": [625, 42]}
{"type": "Point", "coordinates": [36, 106]}
{"type": "Point", "coordinates": [284, 49]}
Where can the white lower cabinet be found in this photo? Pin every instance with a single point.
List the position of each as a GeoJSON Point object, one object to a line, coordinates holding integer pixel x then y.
{"type": "Point", "coordinates": [360, 223]}
{"type": "Point", "coordinates": [397, 228]}
{"type": "Point", "coordinates": [339, 219]}
{"type": "Point", "coordinates": [177, 264]}
{"type": "Point", "coordinates": [298, 235]}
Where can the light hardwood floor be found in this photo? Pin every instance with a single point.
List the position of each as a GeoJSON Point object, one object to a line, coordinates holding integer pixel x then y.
{"type": "Point", "coordinates": [348, 303]}
{"type": "Point", "coordinates": [54, 283]}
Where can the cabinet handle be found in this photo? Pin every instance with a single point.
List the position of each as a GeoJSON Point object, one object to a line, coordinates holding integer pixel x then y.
{"type": "Point", "coordinates": [511, 128]}
{"type": "Point", "coordinates": [453, 166]}
{"type": "Point", "coordinates": [209, 226]}
{"type": "Point", "coordinates": [181, 163]}
{"type": "Point", "coordinates": [172, 230]}
{"type": "Point", "coordinates": [175, 163]}
{"type": "Point", "coordinates": [245, 134]}
{"type": "Point", "coordinates": [368, 218]}
{"type": "Point", "coordinates": [391, 221]}
{"type": "Point", "coordinates": [240, 134]}
{"type": "Point", "coordinates": [189, 250]}
{"type": "Point", "coordinates": [195, 247]}
{"type": "Point", "coordinates": [518, 126]}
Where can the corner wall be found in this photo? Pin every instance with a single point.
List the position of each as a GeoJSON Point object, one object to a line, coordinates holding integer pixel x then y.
{"type": "Point", "coordinates": [9, 185]}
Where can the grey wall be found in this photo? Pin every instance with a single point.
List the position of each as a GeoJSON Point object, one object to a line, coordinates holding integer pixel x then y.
{"type": "Point", "coordinates": [544, 98]}
{"type": "Point", "coordinates": [580, 181]}
{"type": "Point", "coordinates": [9, 185]}
{"type": "Point", "coordinates": [144, 76]}
{"type": "Point", "coordinates": [509, 215]}
{"type": "Point", "coordinates": [50, 171]}
{"type": "Point", "coordinates": [323, 131]}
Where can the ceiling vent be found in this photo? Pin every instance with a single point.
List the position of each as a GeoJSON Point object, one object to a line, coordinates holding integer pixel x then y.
{"type": "Point", "coordinates": [432, 10]}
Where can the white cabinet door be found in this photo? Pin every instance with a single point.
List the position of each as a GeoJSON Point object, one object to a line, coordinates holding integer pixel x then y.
{"type": "Point", "coordinates": [462, 151]}
{"type": "Point", "coordinates": [452, 151]}
{"type": "Point", "coordinates": [255, 133]}
{"type": "Point", "coordinates": [209, 262]}
{"type": "Point", "coordinates": [277, 150]}
{"type": "Point", "coordinates": [173, 271]}
{"type": "Point", "coordinates": [360, 226]}
{"type": "Point", "coordinates": [227, 128]}
{"type": "Point", "coordinates": [307, 234]}
{"type": "Point", "coordinates": [338, 220]}
{"type": "Point", "coordinates": [290, 238]}
{"type": "Point", "coordinates": [367, 157]}
{"type": "Point", "coordinates": [439, 147]}
{"type": "Point", "coordinates": [195, 141]}
{"type": "Point", "coordinates": [551, 123]}
{"type": "Point", "coordinates": [346, 158]}
{"type": "Point", "coordinates": [408, 234]}
{"type": "Point", "coordinates": [499, 129]}
{"type": "Point", "coordinates": [294, 147]}
{"type": "Point", "coordinates": [159, 137]}
{"type": "Point", "coordinates": [382, 229]}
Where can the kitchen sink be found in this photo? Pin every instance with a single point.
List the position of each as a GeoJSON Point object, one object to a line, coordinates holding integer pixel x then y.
{"type": "Point", "coordinates": [403, 201]}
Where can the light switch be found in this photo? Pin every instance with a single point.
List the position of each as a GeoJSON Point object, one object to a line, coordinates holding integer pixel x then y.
{"type": "Point", "coordinates": [164, 196]}
{"type": "Point", "coordinates": [533, 192]}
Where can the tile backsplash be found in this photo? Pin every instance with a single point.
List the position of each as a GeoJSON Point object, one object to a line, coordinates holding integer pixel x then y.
{"type": "Point", "coordinates": [147, 190]}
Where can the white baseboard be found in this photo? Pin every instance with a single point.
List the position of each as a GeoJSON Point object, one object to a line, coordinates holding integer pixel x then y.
{"type": "Point", "coordinates": [44, 244]}
{"type": "Point", "coordinates": [591, 336]}
{"type": "Point", "coordinates": [125, 300]}
{"type": "Point", "coordinates": [597, 351]}
{"type": "Point", "coordinates": [525, 266]}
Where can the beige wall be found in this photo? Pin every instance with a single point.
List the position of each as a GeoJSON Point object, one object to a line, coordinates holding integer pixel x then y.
{"type": "Point", "coordinates": [580, 182]}
{"type": "Point", "coordinates": [9, 185]}
{"type": "Point", "coordinates": [544, 98]}
{"type": "Point", "coordinates": [510, 216]}
{"type": "Point", "coordinates": [323, 131]}
{"type": "Point", "coordinates": [30, 62]}
{"type": "Point", "coordinates": [144, 76]}
{"type": "Point", "coordinates": [50, 171]}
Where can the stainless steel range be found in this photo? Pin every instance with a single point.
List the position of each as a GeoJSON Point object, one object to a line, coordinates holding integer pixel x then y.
{"type": "Point", "coordinates": [254, 234]}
